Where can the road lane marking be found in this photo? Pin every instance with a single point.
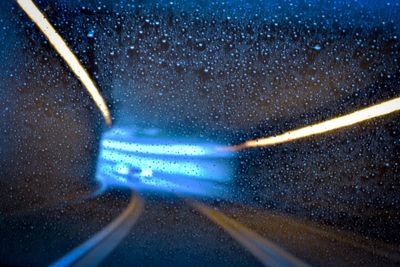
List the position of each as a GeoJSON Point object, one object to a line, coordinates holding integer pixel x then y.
{"type": "Point", "coordinates": [268, 253]}
{"type": "Point", "coordinates": [96, 249]}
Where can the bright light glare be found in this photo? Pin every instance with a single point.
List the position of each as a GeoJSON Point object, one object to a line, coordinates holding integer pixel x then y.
{"type": "Point", "coordinates": [146, 173]}
{"type": "Point", "coordinates": [157, 182]}
{"type": "Point", "coordinates": [61, 47]}
{"type": "Point", "coordinates": [322, 127]}
{"type": "Point", "coordinates": [156, 164]}
{"type": "Point", "coordinates": [163, 164]}
{"type": "Point", "coordinates": [160, 149]}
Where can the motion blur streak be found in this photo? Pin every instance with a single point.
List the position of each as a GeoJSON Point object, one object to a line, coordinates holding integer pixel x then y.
{"type": "Point", "coordinates": [170, 149]}
{"type": "Point", "coordinates": [96, 249]}
{"type": "Point", "coordinates": [326, 126]}
{"type": "Point", "coordinates": [264, 250]}
{"type": "Point", "coordinates": [61, 47]}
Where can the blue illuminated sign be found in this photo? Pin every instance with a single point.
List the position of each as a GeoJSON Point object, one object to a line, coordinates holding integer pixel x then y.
{"type": "Point", "coordinates": [153, 163]}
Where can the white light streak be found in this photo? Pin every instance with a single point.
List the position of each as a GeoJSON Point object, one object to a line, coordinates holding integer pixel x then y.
{"type": "Point", "coordinates": [160, 149]}
{"type": "Point", "coordinates": [65, 52]}
{"type": "Point", "coordinates": [358, 116]}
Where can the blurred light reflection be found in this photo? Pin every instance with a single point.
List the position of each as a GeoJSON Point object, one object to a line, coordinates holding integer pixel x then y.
{"type": "Point", "coordinates": [65, 52]}
{"type": "Point", "coordinates": [128, 159]}
{"type": "Point", "coordinates": [355, 117]}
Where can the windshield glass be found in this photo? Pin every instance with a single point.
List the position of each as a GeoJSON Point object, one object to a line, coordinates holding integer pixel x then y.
{"type": "Point", "coordinates": [206, 133]}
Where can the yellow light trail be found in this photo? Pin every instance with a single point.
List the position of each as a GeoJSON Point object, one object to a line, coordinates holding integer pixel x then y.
{"type": "Point", "coordinates": [325, 126]}
{"type": "Point", "coordinates": [65, 52]}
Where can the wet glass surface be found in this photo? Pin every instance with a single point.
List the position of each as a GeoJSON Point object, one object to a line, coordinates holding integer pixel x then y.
{"type": "Point", "coordinates": [186, 82]}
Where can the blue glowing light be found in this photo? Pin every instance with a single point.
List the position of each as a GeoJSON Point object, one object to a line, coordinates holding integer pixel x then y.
{"type": "Point", "coordinates": [161, 149]}
{"type": "Point", "coordinates": [153, 163]}
{"type": "Point", "coordinates": [128, 159]}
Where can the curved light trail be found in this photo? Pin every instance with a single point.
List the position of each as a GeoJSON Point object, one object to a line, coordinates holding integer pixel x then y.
{"type": "Point", "coordinates": [267, 252]}
{"type": "Point", "coordinates": [65, 52]}
{"type": "Point", "coordinates": [358, 116]}
{"type": "Point", "coordinates": [93, 251]}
